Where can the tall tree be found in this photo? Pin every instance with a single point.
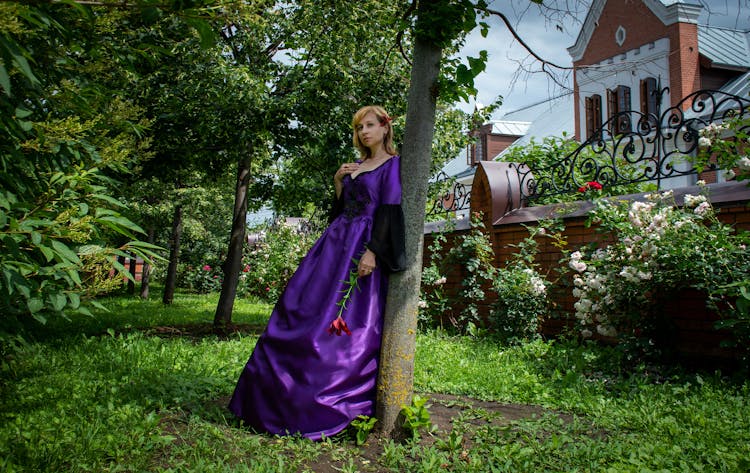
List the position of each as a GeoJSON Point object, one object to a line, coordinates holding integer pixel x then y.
{"type": "Point", "coordinates": [439, 24]}
{"type": "Point", "coordinates": [65, 127]}
{"type": "Point", "coordinates": [324, 61]}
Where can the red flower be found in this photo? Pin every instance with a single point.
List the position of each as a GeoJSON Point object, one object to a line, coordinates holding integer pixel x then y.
{"type": "Point", "coordinates": [246, 268]}
{"type": "Point", "coordinates": [339, 326]}
{"type": "Point", "coordinates": [591, 185]}
{"type": "Point", "coordinates": [206, 268]}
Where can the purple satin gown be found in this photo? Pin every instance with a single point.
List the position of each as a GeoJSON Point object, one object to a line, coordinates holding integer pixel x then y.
{"type": "Point", "coordinates": [301, 380]}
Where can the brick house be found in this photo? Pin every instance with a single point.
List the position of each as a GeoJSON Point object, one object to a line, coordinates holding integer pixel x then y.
{"type": "Point", "coordinates": [625, 51]}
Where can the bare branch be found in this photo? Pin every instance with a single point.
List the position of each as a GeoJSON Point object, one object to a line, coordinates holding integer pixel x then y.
{"type": "Point", "coordinates": [512, 30]}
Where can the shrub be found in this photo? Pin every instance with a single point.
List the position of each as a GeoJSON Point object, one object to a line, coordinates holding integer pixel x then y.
{"type": "Point", "coordinates": [724, 146]}
{"type": "Point", "coordinates": [517, 293]}
{"type": "Point", "coordinates": [659, 248]}
{"type": "Point", "coordinates": [203, 279]}
{"type": "Point", "coordinates": [268, 265]}
{"type": "Point", "coordinates": [521, 293]}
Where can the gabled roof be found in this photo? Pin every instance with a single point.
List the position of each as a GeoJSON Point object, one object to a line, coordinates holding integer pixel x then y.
{"type": "Point", "coordinates": [668, 11]}
{"type": "Point", "coordinates": [725, 48]}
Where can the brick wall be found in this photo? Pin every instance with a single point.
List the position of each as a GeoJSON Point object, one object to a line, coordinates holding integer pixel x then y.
{"type": "Point", "coordinates": [694, 335]}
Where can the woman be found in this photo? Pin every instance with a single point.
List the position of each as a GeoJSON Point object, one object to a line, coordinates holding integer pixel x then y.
{"type": "Point", "coordinates": [303, 379]}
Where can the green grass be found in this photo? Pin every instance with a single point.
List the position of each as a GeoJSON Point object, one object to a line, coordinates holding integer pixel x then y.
{"type": "Point", "coordinates": [111, 393]}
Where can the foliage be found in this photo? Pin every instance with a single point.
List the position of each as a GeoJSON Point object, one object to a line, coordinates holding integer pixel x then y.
{"type": "Point", "coordinates": [62, 134]}
{"type": "Point", "coordinates": [340, 56]}
{"type": "Point", "coordinates": [160, 399]}
{"type": "Point", "coordinates": [434, 303]}
{"type": "Point", "coordinates": [516, 293]}
{"type": "Point", "coordinates": [552, 157]}
{"type": "Point", "coordinates": [417, 416]}
{"type": "Point", "coordinates": [658, 249]}
{"type": "Point", "coordinates": [724, 146]}
{"type": "Point", "coordinates": [520, 292]}
{"type": "Point", "coordinates": [362, 427]}
{"type": "Point", "coordinates": [271, 261]}
{"type": "Point", "coordinates": [473, 254]}
{"type": "Point", "coordinates": [201, 279]}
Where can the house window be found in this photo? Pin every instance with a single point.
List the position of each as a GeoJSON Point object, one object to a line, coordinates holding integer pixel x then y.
{"type": "Point", "coordinates": [593, 116]}
{"type": "Point", "coordinates": [649, 96]}
{"type": "Point", "coordinates": [618, 106]}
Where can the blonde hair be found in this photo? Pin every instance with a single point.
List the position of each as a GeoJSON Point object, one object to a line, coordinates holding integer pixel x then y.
{"type": "Point", "coordinates": [384, 120]}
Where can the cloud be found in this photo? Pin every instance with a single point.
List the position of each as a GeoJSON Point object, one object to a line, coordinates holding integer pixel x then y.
{"type": "Point", "coordinates": [549, 30]}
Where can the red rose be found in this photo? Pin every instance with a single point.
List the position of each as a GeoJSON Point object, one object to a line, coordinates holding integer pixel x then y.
{"type": "Point", "coordinates": [338, 326]}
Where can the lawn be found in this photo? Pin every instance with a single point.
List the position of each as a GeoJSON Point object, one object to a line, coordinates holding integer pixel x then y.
{"type": "Point", "coordinates": [143, 387]}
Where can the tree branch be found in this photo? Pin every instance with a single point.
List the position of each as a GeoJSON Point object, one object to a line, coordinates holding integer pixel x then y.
{"type": "Point", "coordinates": [512, 30]}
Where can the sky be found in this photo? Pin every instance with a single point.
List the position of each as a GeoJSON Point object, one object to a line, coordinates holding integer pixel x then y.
{"type": "Point", "coordinates": [549, 31]}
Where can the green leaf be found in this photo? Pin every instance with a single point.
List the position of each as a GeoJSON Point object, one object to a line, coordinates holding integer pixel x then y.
{"type": "Point", "coordinates": [73, 274]}
{"type": "Point", "coordinates": [75, 300]}
{"type": "Point", "coordinates": [98, 305]}
{"type": "Point", "coordinates": [122, 270]}
{"type": "Point", "coordinates": [150, 14]}
{"type": "Point", "coordinates": [35, 305]}
{"type": "Point", "coordinates": [62, 250]}
{"type": "Point", "coordinates": [23, 287]}
{"type": "Point", "coordinates": [36, 238]}
{"type": "Point", "coordinates": [11, 246]}
{"type": "Point", "coordinates": [23, 65]}
{"type": "Point", "coordinates": [22, 112]}
{"type": "Point", "coordinates": [86, 250]}
{"type": "Point", "coordinates": [205, 31]}
{"type": "Point", "coordinates": [4, 79]}
{"type": "Point", "coordinates": [58, 301]}
{"type": "Point", "coordinates": [123, 222]}
{"type": "Point", "coordinates": [47, 252]}
{"type": "Point", "coordinates": [84, 310]}
{"type": "Point", "coordinates": [4, 201]}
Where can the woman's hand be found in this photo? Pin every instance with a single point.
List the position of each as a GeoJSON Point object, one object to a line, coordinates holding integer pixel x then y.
{"type": "Point", "coordinates": [346, 168]}
{"type": "Point", "coordinates": [366, 264]}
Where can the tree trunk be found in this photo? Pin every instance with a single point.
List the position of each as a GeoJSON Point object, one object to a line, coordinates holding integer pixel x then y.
{"type": "Point", "coordinates": [133, 271]}
{"type": "Point", "coordinates": [146, 271]}
{"type": "Point", "coordinates": [233, 264]}
{"type": "Point", "coordinates": [396, 371]}
{"type": "Point", "coordinates": [174, 256]}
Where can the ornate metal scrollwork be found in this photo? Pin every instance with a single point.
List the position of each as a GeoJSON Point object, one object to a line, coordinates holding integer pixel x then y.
{"type": "Point", "coordinates": [452, 196]}
{"type": "Point", "coordinates": [642, 148]}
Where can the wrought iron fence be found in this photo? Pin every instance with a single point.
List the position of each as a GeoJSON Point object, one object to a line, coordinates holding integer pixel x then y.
{"type": "Point", "coordinates": [651, 151]}
{"type": "Point", "coordinates": [450, 195]}
{"type": "Point", "coordinates": [646, 147]}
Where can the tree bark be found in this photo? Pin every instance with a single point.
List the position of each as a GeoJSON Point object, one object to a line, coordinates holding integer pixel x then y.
{"type": "Point", "coordinates": [396, 371]}
{"type": "Point", "coordinates": [237, 241]}
{"type": "Point", "coordinates": [146, 270]}
{"type": "Point", "coordinates": [174, 256]}
{"type": "Point", "coordinates": [133, 271]}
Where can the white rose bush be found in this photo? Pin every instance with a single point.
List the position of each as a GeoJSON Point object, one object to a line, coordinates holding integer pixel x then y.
{"type": "Point", "coordinates": [516, 294]}
{"type": "Point", "coordinates": [657, 249]}
{"type": "Point", "coordinates": [725, 146]}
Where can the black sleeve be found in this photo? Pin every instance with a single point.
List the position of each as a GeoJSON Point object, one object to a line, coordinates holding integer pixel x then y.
{"type": "Point", "coordinates": [388, 238]}
{"type": "Point", "coordinates": [337, 208]}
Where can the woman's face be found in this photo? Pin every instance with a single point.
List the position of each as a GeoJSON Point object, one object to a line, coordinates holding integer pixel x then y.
{"type": "Point", "coordinates": [370, 131]}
